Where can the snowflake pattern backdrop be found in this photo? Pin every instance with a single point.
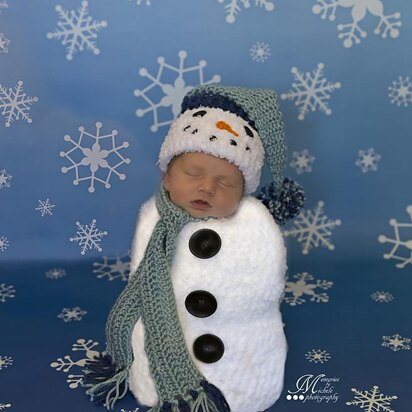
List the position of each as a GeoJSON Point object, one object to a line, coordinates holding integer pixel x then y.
{"type": "Point", "coordinates": [88, 90]}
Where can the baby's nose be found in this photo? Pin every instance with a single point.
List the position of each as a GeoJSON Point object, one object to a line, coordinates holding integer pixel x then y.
{"type": "Point", "coordinates": [207, 185]}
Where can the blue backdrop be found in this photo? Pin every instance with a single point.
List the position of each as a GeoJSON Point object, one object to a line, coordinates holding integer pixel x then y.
{"type": "Point", "coordinates": [87, 91]}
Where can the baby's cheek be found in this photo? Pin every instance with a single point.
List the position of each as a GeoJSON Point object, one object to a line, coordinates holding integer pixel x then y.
{"type": "Point", "coordinates": [227, 207]}
{"type": "Point", "coordinates": [236, 203]}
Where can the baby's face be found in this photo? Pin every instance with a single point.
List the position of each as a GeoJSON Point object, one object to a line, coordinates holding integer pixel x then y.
{"type": "Point", "coordinates": [195, 177]}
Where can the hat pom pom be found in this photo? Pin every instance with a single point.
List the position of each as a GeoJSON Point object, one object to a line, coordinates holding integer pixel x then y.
{"type": "Point", "coordinates": [284, 204]}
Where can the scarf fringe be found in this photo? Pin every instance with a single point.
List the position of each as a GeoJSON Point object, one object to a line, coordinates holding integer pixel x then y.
{"type": "Point", "coordinates": [216, 396]}
{"type": "Point", "coordinates": [208, 398]}
{"type": "Point", "coordinates": [106, 383]}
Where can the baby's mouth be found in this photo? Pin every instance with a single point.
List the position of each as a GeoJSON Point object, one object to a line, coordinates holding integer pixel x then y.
{"type": "Point", "coordinates": [200, 204]}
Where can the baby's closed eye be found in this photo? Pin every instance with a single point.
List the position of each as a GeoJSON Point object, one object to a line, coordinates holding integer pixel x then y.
{"type": "Point", "coordinates": [192, 173]}
{"type": "Point", "coordinates": [225, 183]}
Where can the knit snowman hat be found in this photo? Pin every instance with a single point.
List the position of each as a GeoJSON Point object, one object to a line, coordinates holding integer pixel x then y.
{"type": "Point", "coordinates": [245, 127]}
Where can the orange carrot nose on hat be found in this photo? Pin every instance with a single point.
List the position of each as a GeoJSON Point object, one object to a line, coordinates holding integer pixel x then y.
{"type": "Point", "coordinates": [245, 127]}
{"type": "Point", "coordinates": [224, 126]}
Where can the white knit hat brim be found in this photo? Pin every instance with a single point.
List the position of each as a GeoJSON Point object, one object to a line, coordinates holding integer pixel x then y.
{"type": "Point", "coordinates": [219, 133]}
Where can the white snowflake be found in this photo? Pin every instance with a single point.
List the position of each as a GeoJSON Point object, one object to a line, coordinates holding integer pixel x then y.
{"type": "Point", "coordinates": [396, 342]}
{"type": "Point", "coordinates": [352, 32]}
{"type": "Point", "coordinates": [4, 406]}
{"type": "Point", "coordinates": [302, 161]}
{"type": "Point", "coordinates": [139, 2]}
{"type": "Point", "coordinates": [173, 91]}
{"type": "Point", "coordinates": [302, 287]}
{"type": "Point", "coordinates": [372, 401]}
{"type": "Point", "coordinates": [88, 237]}
{"type": "Point", "coordinates": [4, 179]}
{"type": "Point", "coordinates": [4, 243]}
{"type": "Point", "coordinates": [398, 242]}
{"type": "Point", "coordinates": [3, 5]}
{"type": "Point", "coordinates": [77, 30]}
{"type": "Point", "coordinates": [233, 8]}
{"type": "Point", "coordinates": [317, 355]}
{"type": "Point", "coordinates": [311, 91]}
{"type": "Point", "coordinates": [15, 104]}
{"type": "Point", "coordinates": [114, 267]}
{"type": "Point", "coordinates": [4, 42]}
{"type": "Point", "coordinates": [401, 92]}
{"type": "Point", "coordinates": [45, 207]}
{"type": "Point", "coordinates": [69, 314]}
{"type": "Point", "coordinates": [5, 362]}
{"type": "Point", "coordinates": [134, 410]}
{"type": "Point", "coordinates": [368, 160]}
{"type": "Point", "coordinates": [260, 52]}
{"type": "Point", "coordinates": [6, 292]}
{"type": "Point", "coordinates": [66, 363]}
{"type": "Point", "coordinates": [99, 155]}
{"type": "Point", "coordinates": [382, 297]}
{"type": "Point", "coordinates": [55, 273]}
{"type": "Point", "coordinates": [312, 229]}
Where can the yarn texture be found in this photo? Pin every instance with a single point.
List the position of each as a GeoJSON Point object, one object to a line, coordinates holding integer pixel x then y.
{"type": "Point", "coordinates": [260, 107]}
{"type": "Point", "coordinates": [150, 347]}
{"type": "Point", "coordinates": [247, 279]}
{"type": "Point", "coordinates": [149, 296]}
{"type": "Point", "coordinates": [283, 204]}
{"type": "Point", "coordinates": [201, 134]}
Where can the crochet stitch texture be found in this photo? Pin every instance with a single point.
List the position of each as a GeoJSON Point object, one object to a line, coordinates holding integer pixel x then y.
{"type": "Point", "coordinates": [258, 106]}
{"type": "Point", "coordinates": [150, 295]}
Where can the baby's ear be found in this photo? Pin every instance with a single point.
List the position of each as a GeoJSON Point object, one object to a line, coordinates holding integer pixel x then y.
{"type": "Point", "coordinates": [166, 181]}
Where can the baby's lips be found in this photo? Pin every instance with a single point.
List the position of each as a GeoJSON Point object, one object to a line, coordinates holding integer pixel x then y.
{"type": "Point", "coordinates": [203, 201]}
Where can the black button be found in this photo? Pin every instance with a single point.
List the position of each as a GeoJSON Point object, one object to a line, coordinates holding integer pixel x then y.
{"type": "Point", "coordinates": [205, 243]}
{"type": "Point", "coordinates": [208, 348]}
{"type": "Point", "coordinates": [201, 303]}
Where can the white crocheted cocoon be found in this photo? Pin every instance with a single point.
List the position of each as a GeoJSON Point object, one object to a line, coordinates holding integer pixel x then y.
{"type": "Point", "coordinates": [246, 277]}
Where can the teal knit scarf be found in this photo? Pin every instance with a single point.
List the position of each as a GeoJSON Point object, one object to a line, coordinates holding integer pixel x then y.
{"type": "Point", "coordinates": [149, 296]}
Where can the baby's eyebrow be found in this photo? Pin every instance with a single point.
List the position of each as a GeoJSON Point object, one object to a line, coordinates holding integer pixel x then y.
{"type": "Point", "coordinates": [194, 166]}
{"type": "Point", "coordinates": [226, 176]}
